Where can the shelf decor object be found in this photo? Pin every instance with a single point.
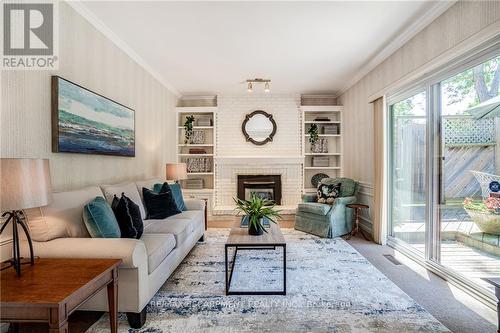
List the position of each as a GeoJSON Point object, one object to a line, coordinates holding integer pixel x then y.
{"type": "Point", "coordinates": [25, 184]}
{"type": "Point", "coordinates": [198, 137]}
{"type": "Point", "coordinates": [176, 171]}
{"type": "Point", "coordinates": [316, 179]}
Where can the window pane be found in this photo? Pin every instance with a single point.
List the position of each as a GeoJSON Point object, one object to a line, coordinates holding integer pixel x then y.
{"type": "Point", "coordinates": [408, 170]}
{"type": "Point", "coordinates": [469, 221]}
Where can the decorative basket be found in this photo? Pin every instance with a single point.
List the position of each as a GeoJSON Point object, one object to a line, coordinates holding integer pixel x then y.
{"type": "Point", "coordinates": [487, 222]}
{"type": "Point", "coordinates": [198, 137]}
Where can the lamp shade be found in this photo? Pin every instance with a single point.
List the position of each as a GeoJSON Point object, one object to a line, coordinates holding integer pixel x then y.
{"type": "Point", "coordinates": [176, 171]}
{"type": "Point", "coordinates": [25, 183]}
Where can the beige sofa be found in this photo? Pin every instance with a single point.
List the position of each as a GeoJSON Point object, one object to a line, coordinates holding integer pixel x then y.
{"type": "Point", "coordinates": [58, 231]}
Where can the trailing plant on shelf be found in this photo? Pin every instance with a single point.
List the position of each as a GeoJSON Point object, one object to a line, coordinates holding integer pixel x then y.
{"type": "Point", "coordinates": [313, 134]}
{"type": "Point", "coordinates": [257, 209]}
{"type": "Point", "coordinates": [188, 129]}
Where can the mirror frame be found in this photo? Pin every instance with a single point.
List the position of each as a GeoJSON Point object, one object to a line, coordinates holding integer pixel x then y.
{"type": "Point", "coordinates": [247, 119]}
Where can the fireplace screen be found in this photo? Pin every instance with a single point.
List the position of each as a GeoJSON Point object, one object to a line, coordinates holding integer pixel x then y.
{"type": "Point", "coordinates": [263, 186]}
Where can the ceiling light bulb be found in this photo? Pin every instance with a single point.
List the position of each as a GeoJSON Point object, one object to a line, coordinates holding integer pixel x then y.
{"type": "Point", "coordinates": [250, 87]}
{"type": "Point", "coordinates": [266, 87]}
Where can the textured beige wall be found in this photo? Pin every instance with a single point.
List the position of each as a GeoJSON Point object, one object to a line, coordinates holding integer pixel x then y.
{"type": "Point", "coordinates": [461, 21]}
{"type": "Point", "coordinates": [93, 61]}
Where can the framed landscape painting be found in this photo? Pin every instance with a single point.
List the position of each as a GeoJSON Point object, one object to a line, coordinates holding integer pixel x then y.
{"type": "Point", "coordinates": [88, 123]}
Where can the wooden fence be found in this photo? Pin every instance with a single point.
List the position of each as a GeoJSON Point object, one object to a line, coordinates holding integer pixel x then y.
{"type": "Point", "coordinates": [468, 144]}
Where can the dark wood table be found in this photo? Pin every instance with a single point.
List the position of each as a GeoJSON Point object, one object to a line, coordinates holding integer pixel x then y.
{"type": "Point", "coordinates": [239, 239]}
{"type": "Point", "coordinates": [357, 209]}
{"type": "Point", "coordinates": [496, 282]}
{"type": "Point", "coordinates": [52, 289]}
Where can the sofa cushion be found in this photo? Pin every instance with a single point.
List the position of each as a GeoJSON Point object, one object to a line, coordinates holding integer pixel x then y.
{"type": "Point", "coordinates": [180, 228]}
{"type": "Point", "coordinates": [123, 217]}
{"type": "Point", "coordinates": [314, 208]}
{"type": "Point", "coordinates": [176, 193]}
{"type": "Point", "coordinates": [158, 246]}
{"type": "Point", "coordinates": [62, 217]}
{"type": "Point", "coordinates": [129, 189]}
{"type": "Point", "coordinates": [160, 205]}
{"type": "Point", "coordinates": [195, 215]}
{"type": "Point", "coordinates": [100, 219]}
{"type": "Point", "coordinates": [348, 186]}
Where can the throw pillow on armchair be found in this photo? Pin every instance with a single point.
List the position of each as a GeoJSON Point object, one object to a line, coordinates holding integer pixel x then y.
{"type": "Point", "coordinates": [327, 193]}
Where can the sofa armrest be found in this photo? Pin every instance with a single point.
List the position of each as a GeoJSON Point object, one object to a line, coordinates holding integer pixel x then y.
{"type": "Point", "coordinates": [131, 251]}
{"type": "Point", "coordinates": [194, 204]}
{"type": "Point", "coordinates": [345, 200]}
{"type": "Point", "coordinates": [308, 197]}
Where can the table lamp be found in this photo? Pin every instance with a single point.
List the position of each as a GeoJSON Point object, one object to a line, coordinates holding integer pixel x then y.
{"type": "Point", "coordinates": [25, 183]}
{"type": "Point", "coordinates": [176, 171]}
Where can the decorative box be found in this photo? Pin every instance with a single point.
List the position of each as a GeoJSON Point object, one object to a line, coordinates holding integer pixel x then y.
{"type": "Point", "coordinates": [320, 161]}
{"type": "Point", "coordinates": [331, 129]}
{"type": "Point", "coordinates": [204, 121]}
{"type": "Point", "coordinates": [194, 184]}
{"type": "Point", "coordinates": [198, 136]}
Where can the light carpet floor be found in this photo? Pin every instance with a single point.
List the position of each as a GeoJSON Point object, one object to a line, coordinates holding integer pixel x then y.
{"type": "Point", "coordinates": [330, 288]}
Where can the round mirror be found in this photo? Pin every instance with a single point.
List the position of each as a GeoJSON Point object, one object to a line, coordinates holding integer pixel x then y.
{"type": "Point", "coordinates": [259, 127]}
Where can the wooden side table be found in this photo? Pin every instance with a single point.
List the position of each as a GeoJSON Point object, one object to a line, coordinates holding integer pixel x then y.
{"type": "Point", "coordinates": [357, 209]}
{"type": "Point", "coordinates": [52, 289]}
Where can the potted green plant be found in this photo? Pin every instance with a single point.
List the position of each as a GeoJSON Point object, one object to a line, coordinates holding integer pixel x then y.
{"type": "Point", "coordinates": [313, 135]}
{"type": "Point", "coordinates": [257, 209]}
{"type": "Point", "coordinates": [188, 129]}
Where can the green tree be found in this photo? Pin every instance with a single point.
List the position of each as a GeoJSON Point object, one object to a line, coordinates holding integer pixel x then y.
{"type": "Point", "coordinates": [482, 80]}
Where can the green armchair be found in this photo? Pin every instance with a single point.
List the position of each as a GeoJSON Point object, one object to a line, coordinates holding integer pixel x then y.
{"type": "Point", "coordinates": [328, 220]}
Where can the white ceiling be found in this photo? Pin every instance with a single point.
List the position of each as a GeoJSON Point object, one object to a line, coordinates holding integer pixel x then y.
{"type": "Point", "coordinates": [303, 47]}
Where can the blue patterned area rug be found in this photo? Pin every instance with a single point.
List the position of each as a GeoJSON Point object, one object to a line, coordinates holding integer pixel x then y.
{"type": "Point", "coordinates": [330, 288]}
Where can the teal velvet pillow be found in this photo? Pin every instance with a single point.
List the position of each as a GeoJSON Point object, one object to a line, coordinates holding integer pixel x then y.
{"type": "Point", "coordinates": [176, 193]}
{"type": "Point", "coordinates": [100, 219]}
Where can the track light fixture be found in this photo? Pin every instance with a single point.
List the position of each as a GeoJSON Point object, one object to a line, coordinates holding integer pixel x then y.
{"type": "Point", "coordinates": [259, 80]}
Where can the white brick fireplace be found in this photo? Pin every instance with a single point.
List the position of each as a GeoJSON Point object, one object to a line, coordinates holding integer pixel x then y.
{"type": "Point", "coordinates": [235, 156]}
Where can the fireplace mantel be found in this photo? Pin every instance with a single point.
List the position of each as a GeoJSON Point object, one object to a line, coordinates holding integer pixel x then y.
{"type": "Point", "coordinates": [259, 160]}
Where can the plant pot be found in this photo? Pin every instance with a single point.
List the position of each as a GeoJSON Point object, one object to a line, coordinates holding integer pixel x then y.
{"type": "Point", "coordinates": [255, 230]}
{"type": "Point", "coordinates": [487, 222]}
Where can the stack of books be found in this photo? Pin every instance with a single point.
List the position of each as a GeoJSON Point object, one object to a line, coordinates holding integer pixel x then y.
{"type": "Point", "coordinates": [194, 184]}
{"type": "Point", "coordinates": [331, 129]}
{"type": "Point", "coordinates": [197, 151]}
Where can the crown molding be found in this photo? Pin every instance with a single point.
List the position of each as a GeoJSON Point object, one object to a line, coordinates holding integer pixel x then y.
{"type": "Point", "coordinates": [81, 9]}
{"type": "Point", "coordinates": [402, 37]}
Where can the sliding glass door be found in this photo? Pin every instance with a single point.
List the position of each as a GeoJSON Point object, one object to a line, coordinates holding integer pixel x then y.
{"type": "Point", "coordinates": [408, 148]}
{"type": "Point", "coordinates": [444, 171]}
{"type": "Point", "coordinates": [469, 213]}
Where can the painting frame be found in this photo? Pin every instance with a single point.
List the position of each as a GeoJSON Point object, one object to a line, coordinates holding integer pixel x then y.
{"type": "Point", "coordinates": [58, 146]}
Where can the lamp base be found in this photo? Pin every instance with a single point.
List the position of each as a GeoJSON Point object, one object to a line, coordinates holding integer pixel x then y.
{"type": "Point", "coordinates": [16, 261]}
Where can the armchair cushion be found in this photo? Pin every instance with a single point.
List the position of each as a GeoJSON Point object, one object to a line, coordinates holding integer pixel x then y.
{"type": "Point", "coordinates": [314, 208]}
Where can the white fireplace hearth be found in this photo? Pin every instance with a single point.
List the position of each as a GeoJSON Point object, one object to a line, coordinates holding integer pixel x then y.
{"type": "Point", "coordinates": [227, 169]}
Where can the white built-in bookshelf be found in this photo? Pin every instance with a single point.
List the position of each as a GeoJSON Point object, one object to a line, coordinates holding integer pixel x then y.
{"type": "Point", "coordinates": [205, 149]}
{"type": "Point", "coordinates": [330, 129]}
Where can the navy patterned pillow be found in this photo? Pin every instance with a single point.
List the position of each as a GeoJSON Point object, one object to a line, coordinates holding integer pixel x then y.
{"type": "Point", "coordinates": [327, 193]}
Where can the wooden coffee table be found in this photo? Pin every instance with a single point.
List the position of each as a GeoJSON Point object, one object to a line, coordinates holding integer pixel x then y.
{"type": "Point", "coordinates": [52, 289]}
{"type": "Point", "coordinates": [239, 239]}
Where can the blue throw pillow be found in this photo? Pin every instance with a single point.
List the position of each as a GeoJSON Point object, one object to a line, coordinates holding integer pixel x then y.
{"type": "Point", "coordinates": [176, 193]}
{"type": "Point", "coordinates": [100, 219]}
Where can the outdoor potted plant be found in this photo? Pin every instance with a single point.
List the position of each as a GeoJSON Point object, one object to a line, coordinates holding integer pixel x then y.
{"type": "Point", "coordinates": [188, 129]}
{"type": "Point", "coordinates": [485, 214]}
{"type": "Point", "coordinates": [257, 209]}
